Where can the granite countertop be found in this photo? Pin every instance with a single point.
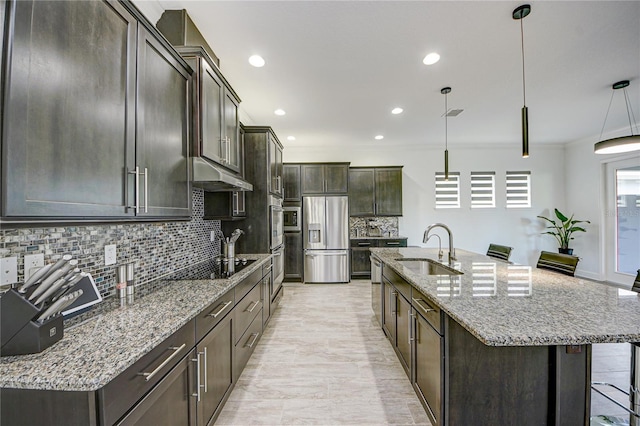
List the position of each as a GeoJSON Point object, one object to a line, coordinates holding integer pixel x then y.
{"type": "Point", "coordinates": [504, 304]}
{"type": "Point", "coordinates": [94, 352]}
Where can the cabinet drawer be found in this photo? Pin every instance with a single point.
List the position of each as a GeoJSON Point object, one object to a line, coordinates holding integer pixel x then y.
{"type": "Point", "coordinates": [393, 243]}
{"type": "Point", "coordinates": [399, 283]}
{"type": "Point", "coordinates": [212, 315]}
{"type": "Point", "coordinates": [428, 310]}
{"type": "Point", "coordinates": [363, 243]}
{"type": "Point", "coordinates": [118, 396]}
{"type": "Point", "coordinates": [247, 343]}
{"type": "Point", "coordinates": [247, 284]}
{"type": "Point", "coordinates": [246, 310]}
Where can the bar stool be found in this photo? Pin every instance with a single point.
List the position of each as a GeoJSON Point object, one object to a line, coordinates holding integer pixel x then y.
{"type": "Point", "coordinates": [499, 252]}
{"type": "Point", "coordinates": [557, 262]}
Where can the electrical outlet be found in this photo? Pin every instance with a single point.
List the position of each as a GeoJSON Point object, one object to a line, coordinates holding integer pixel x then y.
{"type": "Point", "coordinates": [110, 256]}
{"type": "Point", "coordinates": [8, 270]}
{"type": "Point", "coordinates": [31, 264]}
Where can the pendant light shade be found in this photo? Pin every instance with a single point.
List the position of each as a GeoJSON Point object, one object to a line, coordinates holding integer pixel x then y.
{"type": "Point", "coordinates": [624, 143]}
{"type": "Point", "coordinates": [445, 91]}
{"type": "Point", "coordinates": [520, 13]}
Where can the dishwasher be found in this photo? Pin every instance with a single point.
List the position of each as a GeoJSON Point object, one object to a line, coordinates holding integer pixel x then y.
{"type": "Point", "coordinates": [376, 288]}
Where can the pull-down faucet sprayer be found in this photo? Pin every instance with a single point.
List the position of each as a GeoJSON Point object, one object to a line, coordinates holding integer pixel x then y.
{"type": "Point", "coordinates": [452, 252]}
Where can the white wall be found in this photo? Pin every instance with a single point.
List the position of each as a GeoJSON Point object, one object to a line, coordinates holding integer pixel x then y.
{"type": "Point", "coordinates": [585, 187]}
{"type": "Point", "coordinates": [472, 230]}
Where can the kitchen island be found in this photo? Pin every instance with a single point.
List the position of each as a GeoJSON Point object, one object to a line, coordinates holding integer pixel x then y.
{"type": "Point", "coordinates": [490, 342]}
{"type": "Point", "coordinates": [101, 367]}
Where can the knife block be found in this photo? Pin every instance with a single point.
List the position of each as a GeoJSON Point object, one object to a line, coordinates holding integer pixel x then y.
{"type": "Point", "coordinates": [20, 333]}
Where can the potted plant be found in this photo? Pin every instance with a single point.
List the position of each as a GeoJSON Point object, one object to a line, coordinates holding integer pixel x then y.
{"type": "Point", "coordinates": [563, 229]}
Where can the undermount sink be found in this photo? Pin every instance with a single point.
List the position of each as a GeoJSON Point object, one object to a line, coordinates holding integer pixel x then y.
{"type": "Point", "coordinates": [427, 267]}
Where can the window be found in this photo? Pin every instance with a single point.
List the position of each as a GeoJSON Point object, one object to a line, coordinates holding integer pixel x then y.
{"type": "Point", "coordinates": [518, 189]}
{"type": "Point", "coordinates": [483, 190]}
{"type": "Point", "coordinates": [448, 191]}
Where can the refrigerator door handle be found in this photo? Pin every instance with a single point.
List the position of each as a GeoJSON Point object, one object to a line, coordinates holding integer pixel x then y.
{"type": "Point", "coordinates": [314, 253]}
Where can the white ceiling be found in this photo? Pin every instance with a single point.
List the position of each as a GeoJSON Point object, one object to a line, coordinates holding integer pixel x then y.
{"type": "Point", "coordinates": [338, 68]}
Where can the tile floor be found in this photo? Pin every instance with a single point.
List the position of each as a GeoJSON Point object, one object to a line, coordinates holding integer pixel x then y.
{"type": "Point", "coordinates": [324, 360]}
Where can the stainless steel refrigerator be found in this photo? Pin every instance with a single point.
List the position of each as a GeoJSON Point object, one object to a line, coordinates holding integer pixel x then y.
{"type": "Point", "coordinates": [326, 239]}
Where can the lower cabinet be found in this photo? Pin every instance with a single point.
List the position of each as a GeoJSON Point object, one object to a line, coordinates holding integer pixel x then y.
{"type": "Point", "coordinates": [389, 311]}
{"type": "Point", "coordinates": [293, 257]}
{"type": "Point", "coordinates": [170, 402]}
{"type": "Point", "coordinates": [214, 378]}
{"type": "Point", "coordinates": [360, 262]}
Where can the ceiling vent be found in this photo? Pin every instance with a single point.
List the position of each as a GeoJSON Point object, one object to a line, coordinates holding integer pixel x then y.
{"type": "Point", "coordinates": [454, 112]}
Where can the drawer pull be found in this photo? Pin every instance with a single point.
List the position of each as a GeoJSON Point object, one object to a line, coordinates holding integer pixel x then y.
{"type": "Point", "coordinates": [364, 244]}
{"type": "Point", "coordinates": [254, 303]}
{"type": "Point", "coordinates": [176, 350]}
{"type": "Point", "coordinates": [419, 303]}
{"type": "Point", "coordinates": [392, 243]}
{"type": "Point", "coordinates": [225, 306]}
{"type": "Point", "coordinates": [253, 342]}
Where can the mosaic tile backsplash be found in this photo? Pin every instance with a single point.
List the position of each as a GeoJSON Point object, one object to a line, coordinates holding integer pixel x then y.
{"type": "Point", "coordinates": [155, 248]}
{"type": "Point", "coordinates": [373, 227]}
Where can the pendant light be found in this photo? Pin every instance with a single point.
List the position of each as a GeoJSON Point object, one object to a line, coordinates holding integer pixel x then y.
{"type": "Point", "coordinates": [520, 13]}
{"type": "Point", "coordinates": [445, 91]}
{"type": "Point", "coordinates": [624, 143]}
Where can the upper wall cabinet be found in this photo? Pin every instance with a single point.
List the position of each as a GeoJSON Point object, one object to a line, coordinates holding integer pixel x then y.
{"type": "Point", "coordinates": [327, 178]}
{"type": "Point", "coordinates": [375, 191]}
{"type": "Point", "coordinates": [215, 112]}
{"type": "Point", "coordinates": [291, 183]}
{"type": "Point", "coordinates": [77, 141]}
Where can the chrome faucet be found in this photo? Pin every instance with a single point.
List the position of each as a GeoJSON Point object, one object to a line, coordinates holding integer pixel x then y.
{"type": "Point", "coordinates": [452, 252]}
{"type": "Point", "coordinates": [439, 244]}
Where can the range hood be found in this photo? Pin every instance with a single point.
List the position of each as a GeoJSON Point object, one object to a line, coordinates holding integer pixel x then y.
{"type": "Point", "coordinates": [212, 178]}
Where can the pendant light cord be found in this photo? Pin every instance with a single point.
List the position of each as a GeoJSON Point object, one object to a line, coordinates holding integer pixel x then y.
{"type": "Point", "coordinates": [524, 92]}
{"type": "Point", "coordinates": [607, 115]}
{"type": "Point", "coordinates": [630, 113]}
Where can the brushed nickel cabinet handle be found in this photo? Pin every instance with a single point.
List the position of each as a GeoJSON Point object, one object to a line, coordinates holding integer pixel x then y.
{"type": "Point", "coordinates": [221, 310]}
{"type": "Point", "coordinates": [253, 342]}
{"type": "Point", "coordinates": [205, 369]}
{"type": "Point", "coordinates": [197, 361]}
{"type": "Point", "coordinates": [136, 205]}
{"type": "Point", "coordinates": [254, 304]}
{"type": "Point", "coordinates": [176, 350]}
{"type": "Point", "coordinates": [146, 190]}
{"type": "Point", "coordinates": [419, 303]}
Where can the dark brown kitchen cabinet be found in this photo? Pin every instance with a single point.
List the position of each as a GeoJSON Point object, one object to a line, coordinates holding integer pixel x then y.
{"type": "Point", "coordinates": [389, 295]}
{"type": "Point", "coordinates": [77, 149]}
{"type": "Point", "coordinates": [375, 191]}
{"type": "Point", "coordinates": [275, 166]}
{"type": "Point", "coordinates": [397, 316]}
{"type": "Point", "coordinates": [325, 178]}
{"type": "Point", "coordinates": [215, 358]}
{"type": "Point", "coordinates": [360, 254]}
{"type": "Point", "coordinates": [291, 183]}
{"type": "Point", "coordinates": [224, 205]}
{"type": "Point", "coordinates": [162, 118]}
{"type": "Point", "coordinates": [293, 257]}
{"type": "Point", "coordinates": [215, 109]}
{"type": "Point", "coordinates": [170, 402]}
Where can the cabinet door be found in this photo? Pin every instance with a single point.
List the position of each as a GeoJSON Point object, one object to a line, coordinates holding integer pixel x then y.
{"type": "Point", "coordinates": [215, 351]}
{"type": "Point", "coordinates": [69, 110]}
{"type": "Point", "coordinates": [312, 178]}
{"type": "Point", "coordinates": [210, 106]}
{"type": "Point", "coordinates": [389, 312]}
{"type": "Point", "coordinates": [162, 134]}
{"type": "Point", "coordinates": [231, 136]}
{"type": "Point", "coordinates": [360, 263]}
{"type": "Point", "coordinates": [275, 167]}
{"type": "Point", "coordinates": [266, 297]}
{"type": "Point", "coordinates": [171, 402]}
{"type": "Point", "coordinates": [428, 367]}
{"type": "Point", "coordinates": [291, 182]}
{"type": "Point", "coordinates": [293, 256]}
{"type": "Point", "coordinates": [361, 192]}
{"type": "Point", "coordinates": [388, 191]}
{"type": "Point", "coordinates": [403, 324]}
{"type": "Point", "coordinates": [337, 178]}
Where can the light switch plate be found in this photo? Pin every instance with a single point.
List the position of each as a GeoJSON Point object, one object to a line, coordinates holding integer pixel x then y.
{"type": "Point", "coordinates": [110, 254]}
{"type": "Point", "coordinates": [31, 264]}
{"type": "Point", "coordinates": [8, 270]}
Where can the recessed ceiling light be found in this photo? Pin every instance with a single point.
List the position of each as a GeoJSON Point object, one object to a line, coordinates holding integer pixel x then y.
{"type": "Point", "coordinates": [291, 138]}
{"type": "Point", "coordinates": [397, 110]}
{"type": "Point", "coordinates": [431, 58]}
{"type": "Point", "coordinates": [279, 112]}
{"type": "Point", "coordinates": [257, 61]}
{"type": "Point", "coordinates": [379, 137]}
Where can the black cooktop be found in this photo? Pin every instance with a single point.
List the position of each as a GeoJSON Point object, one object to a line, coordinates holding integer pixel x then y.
{"type": "Point", "coordinates": [213, 269]}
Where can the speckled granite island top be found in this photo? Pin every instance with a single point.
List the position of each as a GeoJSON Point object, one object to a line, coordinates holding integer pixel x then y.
{"type": "Point", "coordinates": [504, 304]}
{"type": "Point", "coordinates": [92, 354]}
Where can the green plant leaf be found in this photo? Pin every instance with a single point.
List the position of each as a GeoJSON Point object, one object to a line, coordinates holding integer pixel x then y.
{"type": "Point", "coordinates": [560, 216]}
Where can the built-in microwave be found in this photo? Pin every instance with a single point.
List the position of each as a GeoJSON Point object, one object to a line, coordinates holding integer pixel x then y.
{"type": "Point", "coordinates": [292, 219]}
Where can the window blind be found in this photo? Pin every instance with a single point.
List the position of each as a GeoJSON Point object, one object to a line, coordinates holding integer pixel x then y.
{"type": "Point", "coordinates": [483, 190]}
{"type": "Point", "coordinates": [518, 189]}
{"type": "Point", "coordinates": [448, 191]}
